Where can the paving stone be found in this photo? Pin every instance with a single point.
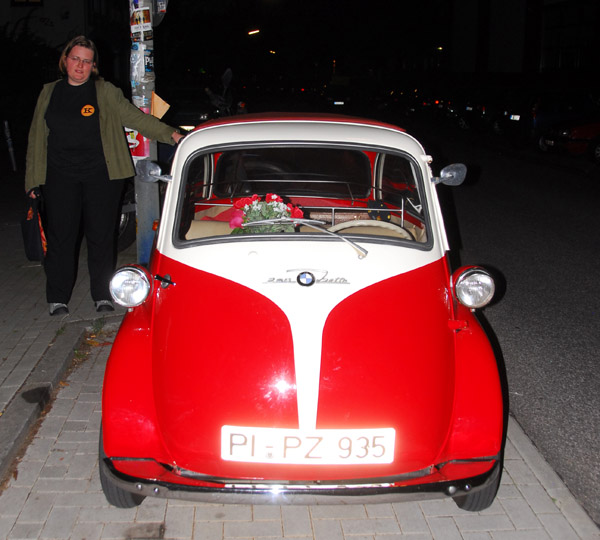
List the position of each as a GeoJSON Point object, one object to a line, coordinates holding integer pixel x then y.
{"type": "Point", "coordinates": [60, 523]}
{"type": "Point", "coordinates": [12, 500]}
{"type": "Point", "coordinates": [477, 522]}
{"type": "Point", "coordinates": [107, 514]}
{"type": "Point", "coordinates": [266, 511]}
{"type": "Point", "coordinates": [521, 514]}
{"type": "Point", "coordinates": [6, 525]}
{"type": "Point", "coordinates": [132, 531]}
{"type": "Point", "coordinates": [25, 531]}
{"type": "Point", "coordinates": [410, 517]}
{"type": "Point", "coordinates": [27, 473]}
{"type": "Point", "coordinates": [521, 535]}
{"type": "Point", "coordinates": [296, 521]}
{"type": "Point", "coordinates": [208, 530]}
{"type": "Point", "coordinates": [327, 529]}
{"type": "Point", "coordinates": [520, 473]}
{"type": "Point", "coordinates": [87, 531]}
{"type": "Point", "coordinates": [558, 527]}
{"type": "Point", "coordinates": [225, 512]}
{"type": "Point", "coordinates": [153, 510]}
{"type": "Point", "coordinates": [37, 508]}
{"type": "Point", "coordinates": [444, 528]}
{"type": "Point", "coordinates": [252, 529]}
{"type": "Point", "coordinates": [379, 510]}
{"type": "Point", "coordinates": [370, 526]}
{"type": "Point", "coordinates": [338, 511]}
{"type": "Point", "coordinates": [440, 507]}
{"type": "Point", "coordinates": [179, 521]}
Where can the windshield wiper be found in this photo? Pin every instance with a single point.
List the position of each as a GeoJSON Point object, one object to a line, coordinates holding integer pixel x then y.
{"type": "Point", "coordinates": [315, 224]}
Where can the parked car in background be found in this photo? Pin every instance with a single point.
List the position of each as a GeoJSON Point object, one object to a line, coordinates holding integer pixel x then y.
{"type": "Point", "coordinates": [527, 115]}
{"type": "Point", "coordinates": [575, 138]}
{"type": "Point", "coordinates": [474, 108]}
{"type": "Point", "coordinates": [299, 335]}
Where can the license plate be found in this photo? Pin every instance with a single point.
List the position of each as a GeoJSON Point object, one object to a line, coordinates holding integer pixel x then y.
{"type": "Point", "coordinates": [317, 447]}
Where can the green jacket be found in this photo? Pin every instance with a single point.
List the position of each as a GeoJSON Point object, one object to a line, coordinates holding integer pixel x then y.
{"type": "Point", "coordinates": [116, 112]}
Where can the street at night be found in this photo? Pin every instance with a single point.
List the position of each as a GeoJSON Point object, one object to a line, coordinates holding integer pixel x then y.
{"type": "Point", "coordinates": [533, 217]}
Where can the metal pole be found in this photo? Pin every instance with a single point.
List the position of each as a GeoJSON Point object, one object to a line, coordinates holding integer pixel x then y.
{"type": "Point", "coordinates": [142, 85]}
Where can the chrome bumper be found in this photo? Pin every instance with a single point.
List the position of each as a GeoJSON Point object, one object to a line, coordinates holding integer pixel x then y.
{"type": "Point", "coordinates": [373, 493]}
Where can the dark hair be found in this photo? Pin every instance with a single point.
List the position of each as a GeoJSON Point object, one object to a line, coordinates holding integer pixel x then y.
{"type": "Point", "coordinates": [79, 41]}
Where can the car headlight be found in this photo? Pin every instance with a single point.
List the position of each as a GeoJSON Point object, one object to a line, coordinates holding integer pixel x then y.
{"type": "Point", "coordinates": [473, 287]}
{"type": "Point", "coordinates": [130, 286]}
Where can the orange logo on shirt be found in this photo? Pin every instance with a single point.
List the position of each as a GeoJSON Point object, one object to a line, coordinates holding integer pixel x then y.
{"type": "Point", "coordinates": [87, 110]}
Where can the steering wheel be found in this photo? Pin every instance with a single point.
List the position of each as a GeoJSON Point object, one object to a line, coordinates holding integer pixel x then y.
{"type": "Point", "coordinates": [372, 223]}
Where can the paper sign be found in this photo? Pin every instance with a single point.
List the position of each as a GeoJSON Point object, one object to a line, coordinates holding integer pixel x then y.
{"type": "Point", "coordinates": [159, 106]}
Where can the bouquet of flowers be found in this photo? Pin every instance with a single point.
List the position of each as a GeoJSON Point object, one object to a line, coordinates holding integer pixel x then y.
{"type": "Point", "coordinates": [251, 209]}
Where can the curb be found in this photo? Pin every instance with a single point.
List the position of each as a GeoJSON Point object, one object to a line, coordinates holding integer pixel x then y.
{"type": "Point", "coordinates": [29, 402]}
{"type": "Point", "coordinates": [578, 518]}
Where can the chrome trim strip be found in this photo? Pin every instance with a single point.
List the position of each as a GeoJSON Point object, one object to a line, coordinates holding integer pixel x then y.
{"type": "Point", "coordinates": [339, 482]}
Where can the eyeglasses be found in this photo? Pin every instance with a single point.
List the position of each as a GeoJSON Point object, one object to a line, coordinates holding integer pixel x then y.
{"type": "Point", "coordinates": [83, 61]}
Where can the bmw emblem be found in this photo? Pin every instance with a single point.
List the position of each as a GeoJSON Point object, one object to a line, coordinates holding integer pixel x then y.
{"type": "Point", "coordinates": [306, 279]}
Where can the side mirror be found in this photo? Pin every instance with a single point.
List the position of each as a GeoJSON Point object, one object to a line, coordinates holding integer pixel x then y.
{"type": "Point", "coordinates": [149, 171]}
{"type": "Point", "coordinates": [451, 175]}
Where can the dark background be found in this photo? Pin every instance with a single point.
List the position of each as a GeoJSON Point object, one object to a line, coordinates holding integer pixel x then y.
{"type": "Point", "coordinates": [308, 50]}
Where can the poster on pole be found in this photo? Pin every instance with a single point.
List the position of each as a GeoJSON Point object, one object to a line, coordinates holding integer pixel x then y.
{"type": "Point", "coordinates": [140, 21]}
{"type": "Point", "coordinates": [139, 146]}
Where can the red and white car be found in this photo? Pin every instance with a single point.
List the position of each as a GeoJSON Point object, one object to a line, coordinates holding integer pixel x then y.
{"type": "Point", "coordinates": [299, 336]}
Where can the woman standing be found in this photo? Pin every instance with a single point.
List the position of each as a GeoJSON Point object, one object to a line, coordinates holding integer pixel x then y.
{"type": "Point", "coordinates": [79, 156]}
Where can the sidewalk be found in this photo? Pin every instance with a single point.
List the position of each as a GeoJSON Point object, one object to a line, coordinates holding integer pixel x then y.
{"type": "Point", "coordinates": [35, 349]}
{"type": "Point", "coordinates": [55, 492]}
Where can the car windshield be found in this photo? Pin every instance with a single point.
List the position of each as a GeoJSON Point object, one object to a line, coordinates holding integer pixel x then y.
{"type": "Point", "coordinates": [340, 190]}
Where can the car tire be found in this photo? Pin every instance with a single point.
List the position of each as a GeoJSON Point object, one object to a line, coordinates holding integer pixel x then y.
{"type": "Point", "coordinates": [127, 225]}
{"type": "Point", "coordinates": [114, 495]}
{"type": "Point", "coordinates": [483, 498]}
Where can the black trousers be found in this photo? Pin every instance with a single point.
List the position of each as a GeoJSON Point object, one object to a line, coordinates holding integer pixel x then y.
{"type": "Point", "coordinates": [73, 207]}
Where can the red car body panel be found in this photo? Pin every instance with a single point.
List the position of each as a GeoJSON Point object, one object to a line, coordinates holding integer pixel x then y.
{"type": "Point", "coordinates": [434, 387]}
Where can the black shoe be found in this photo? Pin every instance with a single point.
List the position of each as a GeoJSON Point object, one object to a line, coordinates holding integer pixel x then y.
{"type": "Point", "coordinates": [56, 308]}
{"type": "Point", "coordinates": [102, 306]}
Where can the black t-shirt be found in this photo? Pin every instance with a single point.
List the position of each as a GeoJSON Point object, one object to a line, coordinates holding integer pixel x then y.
{"type": "Point", "coordinates": [74, 144]}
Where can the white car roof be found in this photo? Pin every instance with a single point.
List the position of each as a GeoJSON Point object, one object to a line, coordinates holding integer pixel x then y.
{"type": "Point", "coordinates": [301, 128]}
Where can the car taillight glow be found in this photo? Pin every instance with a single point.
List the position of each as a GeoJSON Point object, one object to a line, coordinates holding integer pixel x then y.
{"type": "Point", "coordinates": [473, 287]}
{"type": "Point", "coordinates": [130, 286]}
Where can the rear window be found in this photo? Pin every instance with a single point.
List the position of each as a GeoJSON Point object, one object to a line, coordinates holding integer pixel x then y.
{"type": "Point", "coordinates": [322, 172]}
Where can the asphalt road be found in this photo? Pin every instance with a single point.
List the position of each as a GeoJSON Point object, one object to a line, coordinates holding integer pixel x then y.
{"type": "Point", "coordinates": [534, 218]}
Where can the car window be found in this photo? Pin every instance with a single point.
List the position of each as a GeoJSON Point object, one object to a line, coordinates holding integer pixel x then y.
{"type": "Point", "coordinates": [344, 190]}
{"type": "Point", "coordinates": [399, 186]}
{"type": "Point", "coordinates": [298, 171]}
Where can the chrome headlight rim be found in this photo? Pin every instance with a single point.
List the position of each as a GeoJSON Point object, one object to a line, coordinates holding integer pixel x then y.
{"type": "Point", "coordinates": [473, 287]}
{"type": "Point", "coordinates": [139, 282]}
